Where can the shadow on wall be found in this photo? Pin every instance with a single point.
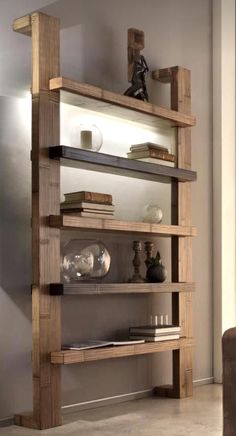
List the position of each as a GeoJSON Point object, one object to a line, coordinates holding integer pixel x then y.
{"type": "Point", "coordinates": [84, 26]}
{"type": "Point", "coordinates": [15, 252]}
{"type": "Point", "coordinates": [101, 54]}
{"type": "Point", "coordinates": [15, 194]}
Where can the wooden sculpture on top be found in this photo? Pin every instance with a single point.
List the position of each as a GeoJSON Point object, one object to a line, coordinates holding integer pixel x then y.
{"type": "Point", "coordinates": [137, 65]}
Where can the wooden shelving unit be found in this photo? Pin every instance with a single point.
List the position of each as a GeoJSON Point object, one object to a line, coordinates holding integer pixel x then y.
{"type": "Point", "coordinates": [68, 357]}
{"type": "Point", "coordinates": [68, 222]}
{"type": "Point", "coordinates": [48, 89]}
{"type": "Point", "coordinates": [93, 98]}
{"type": "Point", "coordinates": [119, 288]}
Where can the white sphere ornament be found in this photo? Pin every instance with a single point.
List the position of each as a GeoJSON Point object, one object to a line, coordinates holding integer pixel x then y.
{"type": "Point", "coordinates": [153, 214]}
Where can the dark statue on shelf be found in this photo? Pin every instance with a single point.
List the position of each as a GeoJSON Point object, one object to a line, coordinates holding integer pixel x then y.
{"type": "Point", "coordinates": [138, 88]}
{"type": "Point", "coordinates": [137, 66]}
{"type": "Point", "coordinates": [156, 272]}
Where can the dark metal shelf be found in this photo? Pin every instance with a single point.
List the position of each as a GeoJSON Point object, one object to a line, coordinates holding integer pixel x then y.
{"type": "Point", "coordinates": [77, 158]}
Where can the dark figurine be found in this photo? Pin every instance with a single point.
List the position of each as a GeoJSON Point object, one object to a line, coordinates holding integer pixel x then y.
{"type": "Point", "coordinates": [156, 272]}
{"type": "Point", "coordinates": [138, 88]}
{"type": "Point", "coordinates": [137, 65]}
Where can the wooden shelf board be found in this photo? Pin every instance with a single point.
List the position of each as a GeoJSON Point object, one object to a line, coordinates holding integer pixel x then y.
{"type": "Point", "coordinates": [25, 419]}
{"type": "Point", "coordinates": [72, 356]}
{"type": "Point", "coordinates": [75, 222]}
{"type": "Point", "coordinates": [97, 99]}
{"type": "Point", "coordinates": [92, 288]}
{"type": "Point", "coordinates": [101, 162]}
{"type": "Point", "coordinates": [163, 75]}
{"type": "Point", "coordinates": [23, 25]}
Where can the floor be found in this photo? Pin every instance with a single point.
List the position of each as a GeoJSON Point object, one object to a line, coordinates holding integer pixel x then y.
{"type": "Point", "coordinates": [197, 416]}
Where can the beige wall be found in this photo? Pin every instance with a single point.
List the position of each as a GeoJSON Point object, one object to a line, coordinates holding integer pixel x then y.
{"type": "Point", "coordinates": [176, 33]}
{"type": "Point", "coordinates": [224, 174]}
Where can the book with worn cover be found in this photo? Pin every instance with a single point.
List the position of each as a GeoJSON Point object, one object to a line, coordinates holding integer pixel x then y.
{"type": "Point", "coordinates": [97, 197]}
{"type": "Point", "coordinates": [81, 213]}
{"type": "Point", "coordinates": [154, 330]}
{"type": "Point", "coordinates": [151, 153]}
{"type": "Point", "coordinates": [87, 205]}
{"type": "Point", "coordinates": [86, 345]}
{"type": "Point", "coordinates": [147, 146]}
{"type": "Point", "coordinates": [91, 211]}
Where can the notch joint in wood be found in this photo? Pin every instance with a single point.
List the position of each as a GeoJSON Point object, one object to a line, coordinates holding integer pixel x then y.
{"type": "Point", "coordinates": [56, 289]}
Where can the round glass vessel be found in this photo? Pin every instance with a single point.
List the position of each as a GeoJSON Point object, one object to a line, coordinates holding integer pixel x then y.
{"type": "Point", "coordinates": [84, 259]}
{"type": "Point", "coordinates": [153, 214]}
{"type": "Point", "coordinates": [86, 136]}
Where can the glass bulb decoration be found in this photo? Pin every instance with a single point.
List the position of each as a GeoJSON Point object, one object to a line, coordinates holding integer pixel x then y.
{"type": "Point", "coordinates": [153, 214]}
{"type": "Point", "coordinates": [86, 136]}
{"type": "Point", "coordinates": [84, 259]}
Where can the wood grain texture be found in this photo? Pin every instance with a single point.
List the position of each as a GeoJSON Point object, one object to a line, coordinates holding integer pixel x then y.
{"type": "Point", "coordinates": [122, 101]}
{"type": "Point", "coordinates": [23, 25]}
{"type": "Point", "coordinates": [101, 162]}
{"type": "Point", "coordinates": [46, 321]}
{"type": "Point", "coordinates": [135, 45]}
{"type": "Point", "coordinates": [25, 420]}
{"type": "Point", "coordinates": [75, 222]}
{"type": "Point", "coordinates": [71, 356]}
{"type": "Point", "coordinates": [46, 221]}
{"type": "Point", "coordinates": [125, 288]}
{"type": "Point", "coordinates": [182, 247]}
{"type": "Point", "coordinates": [163, 75]}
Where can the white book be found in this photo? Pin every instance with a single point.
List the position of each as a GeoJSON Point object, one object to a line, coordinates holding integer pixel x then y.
{"type": "Point", "coordinates": [155, 329]}
{"type": "Point", "coordinates": [86, 345]}
{"type": "Point", "coordinates": [94, 215]}
{"type": "Point", "coordinates": [75, 212]}
{"type": "Point", "coordinates": [90, 211]}
{"type": "Point", "coordinates": [156, 338]}
{"type": "Point", "coordinates": [153, 160]}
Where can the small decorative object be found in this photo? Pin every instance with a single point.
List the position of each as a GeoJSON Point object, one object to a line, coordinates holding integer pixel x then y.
{"type": "Point", "coordinates": [159, 320]}
{"type": "Point", "coordinates": [137, 247]}
{"type": "Point", "coordinates": [148, 246]}
{"type": "Point", "coordinates": [84, 259]}
{"type": "Point", "coordinates": [153, 214]}
{"type": "Point", "coordinates": [137, 66]}
{"type": "Point", "coordinates": [156, 272]}
{"type": "Point", "coordinates": [86, 136]}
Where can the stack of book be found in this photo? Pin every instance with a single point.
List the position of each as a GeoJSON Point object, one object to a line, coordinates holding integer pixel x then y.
{"type": "Point", "coordinates": [88, 204]}
{"type": "Point", "coordinates": [149, 152]}
{"type": "Point", "coordinates": [155, 333]}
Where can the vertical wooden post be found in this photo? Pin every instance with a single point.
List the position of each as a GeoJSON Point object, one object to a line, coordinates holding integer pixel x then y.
{"type": "Point", "coordinates": [45, 201]}
{"type": "Point", "coordinates": [46, 311]}
{"type": "Point", "coordinates": [179, 79]}
{"type": "Point", "coordinates": [182, 247]}
{"type": "Point", "coordinates": [135, 45]}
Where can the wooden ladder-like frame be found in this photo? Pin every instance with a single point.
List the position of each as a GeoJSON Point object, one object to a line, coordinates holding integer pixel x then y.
{"type": "Point", "coordinates": [180, 84]}
{"type": "Point", "coordinates": [46, 310]}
